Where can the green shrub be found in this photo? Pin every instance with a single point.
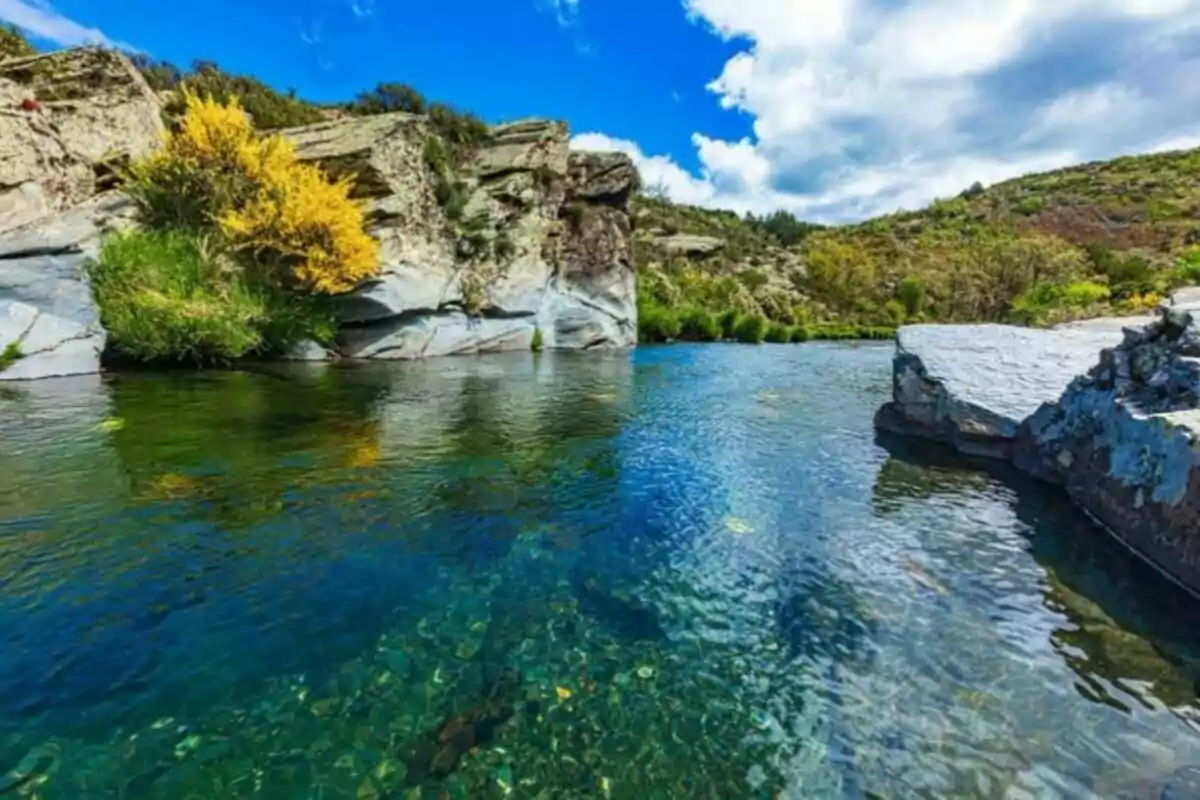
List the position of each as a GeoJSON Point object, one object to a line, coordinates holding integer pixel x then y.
{"type": "Point", "coordinates": [1030, 205]}
{"type": "Point", "coordinates": [267, 107]}
{"type": "Point", "coordinates": [751, 329]}
{"type": "Point", "coordinates": [1085, 293]}
{"type": "Point", "coordinates": [728, 322]}
{"type": "Point", "coordinates": [657, 324]}
{"type": "Point", "coordinates": [170, 296]}
{"type": "Point", "coordinates": [895, 312]}
{"type": "Point", "coordinates": [778, 333]}
{"type": "Point", "coordinates": [1128, 274]}
{"type": "Point", "coordinates": [536, 343]}
{"type": "Point", "coordinates": [10, 355]}
{"type": "Point", "coordinates": [698, 325]}
{"type": "Point", "coordinates": [1187, 270]}
{"type": "Point", "coordinates": [1046, 303]}
{"type": "Point", "coordinates": [388, 97]}
{"type": "Point", "coordinates": [801, 333]}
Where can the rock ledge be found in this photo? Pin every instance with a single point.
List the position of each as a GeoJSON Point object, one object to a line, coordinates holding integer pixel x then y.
{"type": "Point", "coordinates": [1110, 414]}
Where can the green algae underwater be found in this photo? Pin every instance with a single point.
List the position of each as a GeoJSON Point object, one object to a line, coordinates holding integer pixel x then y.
{"type": "Point", "coordinates": [691, 571]}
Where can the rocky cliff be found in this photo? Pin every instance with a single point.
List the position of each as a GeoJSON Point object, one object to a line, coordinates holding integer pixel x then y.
{"type": "Point", "coordinates": [68, 120]}
{"type": "Point", "coordinates": [521, 235]}
{"type": "Point", "coordinates": [1112, 414]}
{"type": "Point", "coordinates": [482, 246]}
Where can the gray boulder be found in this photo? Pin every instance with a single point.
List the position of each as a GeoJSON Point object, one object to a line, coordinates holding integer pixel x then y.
{"type": "Point", "coordinates": [1124, 440]}
{"type": "Point", "coordinates": [1111, 414]}
{"type": "Point", "coordinates": [49, 325]}
{"type": "Point", "coordinates": [971, 386]}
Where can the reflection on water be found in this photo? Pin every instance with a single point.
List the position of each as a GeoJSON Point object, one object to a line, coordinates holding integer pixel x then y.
{"type": "Point", "coordinates": [681, 572]}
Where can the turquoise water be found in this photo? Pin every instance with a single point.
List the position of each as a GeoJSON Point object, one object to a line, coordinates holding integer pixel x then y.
{"type": "Point", "coordinates": [688, 571]}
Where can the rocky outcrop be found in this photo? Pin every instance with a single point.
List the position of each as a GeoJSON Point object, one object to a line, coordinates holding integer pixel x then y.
{"type": "Point", "coordinates": [49, 325]}
{"type": "Point", "coordinates": [67, 121]}
{"type": "Point", "coordinates": [523, 235]}
{"type": "Point", "coordinates": [1111, 414]}
{"type": "Point", "coordinates": [481, 249]}
{"type": "Point", "coordinates": [971, 386]}
{"type": "Point", "coordinates": [1124, 440]}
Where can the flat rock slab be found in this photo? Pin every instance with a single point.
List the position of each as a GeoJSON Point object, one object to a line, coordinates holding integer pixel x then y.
{"type": "Point", "coordinates": [972, 385]}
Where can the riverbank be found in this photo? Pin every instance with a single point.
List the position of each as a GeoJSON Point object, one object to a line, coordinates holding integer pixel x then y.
{"type": "Point", "coordinates": [1107, 409]}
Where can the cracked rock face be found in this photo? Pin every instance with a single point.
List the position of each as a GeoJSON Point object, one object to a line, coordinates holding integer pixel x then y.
{"type": "Point", "coordinates": [93, 112]}
{"type": "Point", "coordinates": [1111, 414]}
{"type": "Point", "coordinates": [549, 245]}
{"type": "Point", "coordinates": [47, 316]}
{"type": "Point", "coordinates": [971, 386]}
{"type": "Point", "coordinates": [1124, 440]}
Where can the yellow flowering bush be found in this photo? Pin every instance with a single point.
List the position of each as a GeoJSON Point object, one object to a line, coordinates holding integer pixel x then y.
{"type": "Point", "coordinates": [214, 171]}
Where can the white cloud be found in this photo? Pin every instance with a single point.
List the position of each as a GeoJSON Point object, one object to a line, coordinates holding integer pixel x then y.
{"type": "Point", "coordinates": [39, 19]}
{"type": "Point", "coordinates": [861, 107]}
{"type": "Point", "coordinates": [565, 11]}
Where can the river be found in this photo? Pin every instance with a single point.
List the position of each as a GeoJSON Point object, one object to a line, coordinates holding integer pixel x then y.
{"type": "Point", "coordinates": [688, 571]}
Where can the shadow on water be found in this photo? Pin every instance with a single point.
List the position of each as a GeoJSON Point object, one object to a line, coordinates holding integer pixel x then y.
{"type": "Point", "coordinates": [1128, 631]}
{"type": "Point", "coordinates": [616, 608]}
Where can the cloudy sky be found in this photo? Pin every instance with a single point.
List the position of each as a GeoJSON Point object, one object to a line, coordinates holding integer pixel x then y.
{"type": "Point", "coordinates": [833, 109]}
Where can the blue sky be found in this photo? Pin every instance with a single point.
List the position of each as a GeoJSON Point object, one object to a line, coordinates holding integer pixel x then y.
{"type": "Point", "coordinates": [834, 109]}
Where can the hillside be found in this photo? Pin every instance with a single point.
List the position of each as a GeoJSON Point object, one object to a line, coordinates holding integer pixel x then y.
{"type": "Point", "coordinates": [1104, 237]}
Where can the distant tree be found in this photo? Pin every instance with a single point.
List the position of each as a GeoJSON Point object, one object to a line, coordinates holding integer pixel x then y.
{"type": "Point", "coordinates": [161, 75]}
{"type": "Point", "coordinates": [974, 190]}
{"type": "Point", "coordinates": [656, 191]}
{"type": "Point", "coordinates": [389, 97]}
{"type": "Point", "coordinates": [784, 226]}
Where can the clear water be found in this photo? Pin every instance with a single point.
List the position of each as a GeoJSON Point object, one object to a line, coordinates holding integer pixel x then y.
{"type": "Point", "coordinates": [684, 572]}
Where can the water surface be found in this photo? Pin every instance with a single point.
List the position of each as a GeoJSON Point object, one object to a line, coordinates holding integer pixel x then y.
{"type": "Point", "coordinates": [688, 571]}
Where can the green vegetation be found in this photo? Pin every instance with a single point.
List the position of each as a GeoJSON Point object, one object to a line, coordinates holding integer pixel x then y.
{"type": "Point", "coordinates": [751, 329]}
{"type": "Point", "coordinates": [163, 298]}
{"type": "Point", "coordinates": [240, 244]}
{"type": "Point", "coordinates": [536, 343]}
{"type": "Point", "coordinates": [1103, 238]}
{"type": "Point", "coordinates": [10, 355]}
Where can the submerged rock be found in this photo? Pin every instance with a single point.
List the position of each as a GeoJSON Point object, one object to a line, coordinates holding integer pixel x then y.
{"type": "Point", "coordinates": [1110, 413]}
{"type": "Point", "coordinates": [622, 613]}
{"type": "Point", "coordinates": [437, 753]}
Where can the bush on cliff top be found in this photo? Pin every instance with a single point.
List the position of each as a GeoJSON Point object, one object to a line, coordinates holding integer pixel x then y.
{"type": "Point", "coordinates": [303, 230]}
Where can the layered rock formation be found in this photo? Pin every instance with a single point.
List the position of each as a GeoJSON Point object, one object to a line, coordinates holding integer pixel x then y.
{"type": "Point", "coordinates": [1111, 414]}
{"type": "Point", "coordinates": [67, 121]}
{"type": "Point", "coordinates": [541, 242]}
{"type": "Point", "coordinates": [49, 324]}
{"type": "Point", "coordinates": [517, 236]}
